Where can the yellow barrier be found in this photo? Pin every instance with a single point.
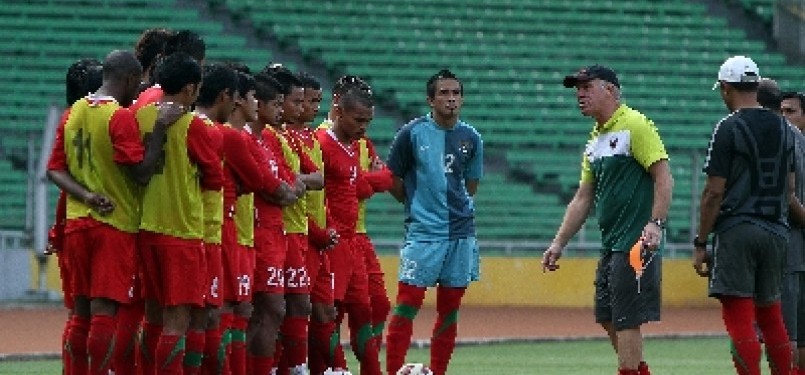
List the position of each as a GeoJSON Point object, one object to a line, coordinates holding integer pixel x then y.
{"type": "Point", "coordinates": [519, 281]}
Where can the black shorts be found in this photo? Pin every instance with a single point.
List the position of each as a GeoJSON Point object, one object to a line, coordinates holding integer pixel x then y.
{"type": "Point", "coordinates": [748, 261]}
{"type": "Point", "coordinates": [619, 298]}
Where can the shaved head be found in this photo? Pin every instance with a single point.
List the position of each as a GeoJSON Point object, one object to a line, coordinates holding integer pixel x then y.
{"type": "Point", "coordinates": [120, 64]}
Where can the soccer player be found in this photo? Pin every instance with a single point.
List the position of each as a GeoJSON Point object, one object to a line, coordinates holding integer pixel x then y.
{"type": "Point", "coordinates": [182, 41]}
{"type": "Point", "coordinates": [625, 174]}
{"type": "Point", "coordinates": [171, 229]}
{"type": "Point", "coordinates": [321, 237]}
{"type": "Point", "coordinates": [215, 103]}
{"type": "Point", "coordinates": [793, 303]}
{"type": "Point", "coordinates": [297, 280]}
{"type": "Point", "coordinates": [750, 148]}
{"type": "Point", "coordinates": [342, 178]}
{"type": "Point", "coordinates": [367, 156]}
{"type": "Point", "coordinates": [83, 77]}
{"type": "Point", "coordinates": [437, 162]}
{"type": "Point", "coordinates": [269, 233]}
{"type": "Point", "coordinates": [149, 49]}
{"type": "Point", "coordinates": [98, 159]}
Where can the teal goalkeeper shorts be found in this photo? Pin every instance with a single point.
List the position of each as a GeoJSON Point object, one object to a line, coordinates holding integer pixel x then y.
{"type": "Point", "coordinates": [451, 263]}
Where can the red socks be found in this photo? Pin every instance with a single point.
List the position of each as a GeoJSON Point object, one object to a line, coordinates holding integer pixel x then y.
{"type": "Point", "coordinates": [213, 358]}
{"type": "Point", "coordinates": [225, 351]}
{"type": "Point", "coordinates": [401, 327]}
{"type": "Point", "coordinates": [319, 350]}
{"type": "Point", "coordinates": [443, 341]}
{"type": "Point", "coordinates": [361, 337]}
{"type": "Point", "coordinates": [194, 352]}
{"type": "Point", "coordinates": [294, 340]}
{"type": "Point", "coordinates": [237, 358]}
{"type": "Point", "coordinates": [380, 311]}
{"type": "Point", "coordinates": [100, 344]}
{"type": "Point", "coordinates": [642, 368]}
{"type": "Point", "coordinates": [739, 315]}
{"type": "Point", "coordinates": [261, 365]}
{"type": "Point", "coordinates": [170, 354]}
{"type": "Point", "coordinates": [146, 351]}
{"type": "Point", "coordinates": [77, 345]}
{"type": "Point", "coordinates": [128, 324]}
{"type": "Point", "coordinates": [337, 358]}
{"type": "Point", "coordinates": [66, 356]}
{"type": "Point", "coordinates": [778, 348]}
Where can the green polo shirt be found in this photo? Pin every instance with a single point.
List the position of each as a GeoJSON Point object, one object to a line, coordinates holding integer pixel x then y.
{"type": "Point", "coordinates": [616, 160]}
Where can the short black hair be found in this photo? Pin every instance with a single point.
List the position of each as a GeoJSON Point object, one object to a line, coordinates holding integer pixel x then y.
{"type": "Point", "coordinates": [284, 76]}
{"type": "Point", "coordinates": [794, 95]}
{"type": "Point", "coordinates": [266, 87]}
{"type": "Point", "coordinates": [347, 82]}
{"type": "Point", "coordinates": [83, 77]}
{"type": "Point", "coordinates": [176, 71]}
{"type": "Point", "coordinates": [238, 67]}
{"type": "Point", "coordinates": [120, 64]}
{"type": "Point", "coordinates": [356, 96]}
{"type": "Point", "coordinates": [151, 45]}
{"type": "Point", "coordinates": [769, 95]}
{"type": "Point", "coordinates": [246, 83]}
{"type": "Point", "coordinates": [188, 42]}
{"type": "Point", "coordinates": [217, 78]}
{"type": "Point", "coordinates": [442, 74]}
{"type": "Point", "coordinates": [308, 81]}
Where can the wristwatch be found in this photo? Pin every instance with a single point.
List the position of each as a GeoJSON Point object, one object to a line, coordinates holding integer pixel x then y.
{"type": "Point", "coordinates": [658, 222]}
{"type": "Point", "coordinates": [699, 243]}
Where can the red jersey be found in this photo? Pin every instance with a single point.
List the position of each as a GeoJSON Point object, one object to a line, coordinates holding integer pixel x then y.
{"type": "Point", "coordinates": [341, 172]}
{"type": "Point", "coordinates": [125, 137]}
{"type": "Point", "coordinates": [267, 214]}
{"type": "Point", "coordinates": [242, 171]}
{"type": "Point", "coordinates": [150, 95]}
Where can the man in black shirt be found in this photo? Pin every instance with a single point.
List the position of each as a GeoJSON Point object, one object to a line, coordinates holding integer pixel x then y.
{"type": "Point", "coordinates": [745, 204]}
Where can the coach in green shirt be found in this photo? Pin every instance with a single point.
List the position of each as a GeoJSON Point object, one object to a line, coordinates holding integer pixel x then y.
{"type": "Point", "coordinates": [625, 173]}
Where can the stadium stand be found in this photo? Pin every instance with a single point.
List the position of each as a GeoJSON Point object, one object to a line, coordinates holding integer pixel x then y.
{"type": "Point", "coordinates": [511, 55]}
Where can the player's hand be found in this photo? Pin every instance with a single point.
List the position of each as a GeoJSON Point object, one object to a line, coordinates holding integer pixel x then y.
{"type": "Point", "coordinates": [377, 164]}
{"type": "Point", "coordinates": [550, 257]}
{"type": "Point", "coordinates": [701, 261]}
{"type": "Point", "coordinates": [333, 237]}
{"type": "Point", "coordinates": [100, 203]}
{"type": "Point", "coordinates": [169, 113]}
{"type": "Point", "coordinates": [652, 236]}
{"type": "Point", "coordinates": [299, 188]}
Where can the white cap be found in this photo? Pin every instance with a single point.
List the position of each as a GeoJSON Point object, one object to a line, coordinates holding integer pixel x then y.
{"type": "Point", "coordinates": [738, 69]}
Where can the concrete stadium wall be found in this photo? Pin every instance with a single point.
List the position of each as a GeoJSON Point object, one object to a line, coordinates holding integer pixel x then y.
{"type": "Point", "coordinates": [519, 281]}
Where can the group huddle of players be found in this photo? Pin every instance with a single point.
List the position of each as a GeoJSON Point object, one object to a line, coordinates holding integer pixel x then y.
{"type": "Point", "coordinates": [206, 225]}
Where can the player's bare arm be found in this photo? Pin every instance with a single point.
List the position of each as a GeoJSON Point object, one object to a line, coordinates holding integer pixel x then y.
{"type": "Point", "coordinates": [98, 202]}
{"type": "Point", "coordinates": [283, 196]}
{"type": "Point", "coordinates": [712, 195]}
{"type": "Point", "coordinates": [312, 181]}
{"type": "Point", "coordinates": [397, 189]}
{"type": "Point", "coordinates": [796, 212]}
{"type": "Point", "coordinates": [663, 185]}
{"type": "Point", "coordinates": [575, 215]}
{"type": "Point", "coordinates": [169, 113]}
{"type": "Point", "coordinates": [472, 187]}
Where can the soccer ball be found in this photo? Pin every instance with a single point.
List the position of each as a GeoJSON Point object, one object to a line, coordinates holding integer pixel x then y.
{"type": "Point", "coordinates": [414, 369]}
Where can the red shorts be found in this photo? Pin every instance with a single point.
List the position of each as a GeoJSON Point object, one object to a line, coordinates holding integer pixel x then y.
{"type": "Point", "coordinates": [213, 295]}
{"type": "Point", "coordinates": [173, 269]}
{"type": "Point", "coordinates": [377, 286]}
{"type": "Point", "coordinates": [297, 279]}
{"type": "Point", "coordinates": [64, 275]}
{"type": "Point", "coordinates": [321, 279]}
{"type": "Point", "coordinates": [246, 272]}
{"type": "Point", "coordinates": [271, 247]}
{"type": "Point", "coordinates": [101, 262]}
{"type": "Point", "coordinates": [230, 260]}
{"type": "Point", "coordinates": [351, 284]}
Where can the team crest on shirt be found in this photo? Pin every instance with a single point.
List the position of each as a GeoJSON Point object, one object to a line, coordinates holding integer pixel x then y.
{"type": "Point", "coordinates": [609, 144]}
{"type": "Point", "coordinates": [465, 147]}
